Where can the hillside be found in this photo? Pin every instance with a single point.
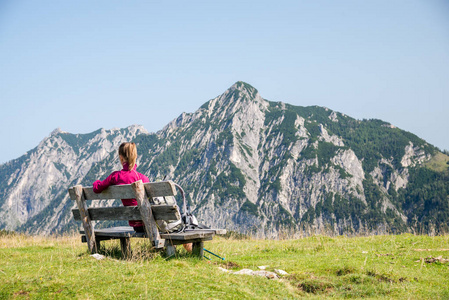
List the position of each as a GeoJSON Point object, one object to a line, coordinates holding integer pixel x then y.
{"type": "Point", "coordinates": [249, 165]}
{"type": "Point", "coordinates": [392, 267]}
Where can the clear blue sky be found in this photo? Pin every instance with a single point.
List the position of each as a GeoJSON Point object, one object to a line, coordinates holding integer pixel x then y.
{"type": "Point", "coordinates": [82, 65]}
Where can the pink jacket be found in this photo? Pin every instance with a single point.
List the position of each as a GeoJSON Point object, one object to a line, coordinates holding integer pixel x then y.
{"type": "Point", "coordinates": [125, 176]}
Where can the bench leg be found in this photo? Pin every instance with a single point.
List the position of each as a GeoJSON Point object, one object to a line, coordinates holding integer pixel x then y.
{"type": "Point", "coordinates": [95, 249]}
{"type": "Point", "coordinates": [197, 249]}
{"type": "Point", "coordinates": [97, 246]}
{"type": "Point", "coordinates": [170, 250]}
{"type": "Point", "coordinates": [125, 245]}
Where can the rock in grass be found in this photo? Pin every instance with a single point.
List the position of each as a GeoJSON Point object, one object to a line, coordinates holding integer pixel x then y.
{"type": "Point", "coordinates": [268, 274]}
{"type": "Point", "coordinates": [244, 272]}
{"type": "Point", "coordinates": [280, 272]}
{"type": "Point", "coordinates": [98, 256]}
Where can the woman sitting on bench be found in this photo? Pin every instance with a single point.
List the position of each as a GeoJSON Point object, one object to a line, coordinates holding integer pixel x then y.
{"type": "Point", "coordinates": [128, 155]}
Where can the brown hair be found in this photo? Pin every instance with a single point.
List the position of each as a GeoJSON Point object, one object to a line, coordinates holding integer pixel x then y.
{"type": "Point", "coordinates": [129, 152]}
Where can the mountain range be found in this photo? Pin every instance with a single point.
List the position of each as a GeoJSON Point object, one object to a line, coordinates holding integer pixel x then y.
{"type": "Point", "coordinates": [249, 165]}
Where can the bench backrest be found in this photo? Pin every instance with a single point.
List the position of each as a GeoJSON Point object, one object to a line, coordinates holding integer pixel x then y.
{"type": "Point", "coordinates": [125, 191]}
{"type": "Point", "coordinates": [155, 189]}
{"type": "Point", "coordinates": [143, 211]}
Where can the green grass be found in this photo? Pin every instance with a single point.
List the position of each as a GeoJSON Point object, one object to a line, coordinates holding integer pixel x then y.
{"type": "Point", "coordinates": [318, 266]}
{"type": "Point", "coordinates": [439, 162]}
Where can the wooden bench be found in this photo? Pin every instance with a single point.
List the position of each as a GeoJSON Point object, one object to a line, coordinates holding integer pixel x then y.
{"type": "Point", "coordinates": [144, 211]}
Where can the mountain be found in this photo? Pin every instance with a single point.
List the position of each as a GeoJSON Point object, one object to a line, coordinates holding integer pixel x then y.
{"type": "Point", "coordinates": [249, 165]}
{"type": "Point", "coordinates": [33, 188]}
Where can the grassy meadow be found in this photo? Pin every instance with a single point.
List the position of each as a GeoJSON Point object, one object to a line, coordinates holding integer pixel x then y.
{"type": "Point", "coordinates": [392, 267]}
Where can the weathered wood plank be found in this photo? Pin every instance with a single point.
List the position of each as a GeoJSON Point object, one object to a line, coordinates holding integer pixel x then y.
{"type": "Point", "coordinates": [184, 236]}
{"type": "Point", "coordinates": [87, 224]}
{"type": "Point", "coordinates": [128, 231]}
{"type": "Point", "coordinates": [160, 212]}
{"type": "Point", "coordinates": [125, 191]}
{"type": "Point", "coordinates": [115, 236]}
{"type": "Point", "coordinates": [166, 212]}
{"type": "Point", "coordinates": [123, 213]}
{"type": "Point", "coordinates": [147, 215]}
{"type": "Point", "coordinates": [116, 232]}
{"type": "Point", "coordinates": [160, 189]}
{"type": "Point", "coordinates": [214, 230]}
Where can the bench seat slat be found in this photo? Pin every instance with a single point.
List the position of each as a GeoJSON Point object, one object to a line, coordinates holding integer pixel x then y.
{"type": "Point", "coordinates": [125, 191]}
{"type": "Point", "coordinates": [185, 236]}
{"type": "Point", "coordinates": [214, 230]}
{"type": "Point", "coordinates": [161, 212]}
{"type": "Point", "coordinates": [117, 232]}
{"type": "Point", "coordinates": [127, 231]}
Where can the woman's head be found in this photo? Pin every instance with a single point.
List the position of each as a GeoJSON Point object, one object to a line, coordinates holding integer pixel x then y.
{"type": "Point", "coordinates": [128, 152]}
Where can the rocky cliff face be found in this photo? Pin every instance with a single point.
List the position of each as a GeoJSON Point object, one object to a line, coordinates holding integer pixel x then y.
{"type": "Point", "coordinates": [247, 164]}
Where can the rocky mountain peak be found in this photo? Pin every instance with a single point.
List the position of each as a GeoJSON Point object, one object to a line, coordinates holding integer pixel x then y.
{"type": "Point", "coordinates": [240, 99]}
{"type": "Point", "coordinates": [243, 91]}
{"type": "Point", "coordinates": [243, 87]}
{"type": "Point", "coordinates": [56, 131]}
